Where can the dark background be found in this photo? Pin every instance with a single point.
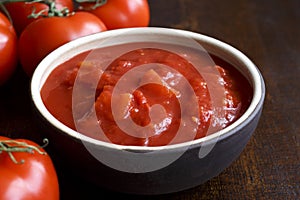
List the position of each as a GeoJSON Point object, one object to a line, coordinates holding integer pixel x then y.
{"type": "Point", "coordinates": [268, 32]}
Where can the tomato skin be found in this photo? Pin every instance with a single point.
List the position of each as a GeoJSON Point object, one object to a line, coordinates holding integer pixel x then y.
{"type": "Point", "coordinates": [46, 34]}
{"type": "Point", "coordinates": [122, 13]}
{"type": "Point", "coordinates": [19, 12]}
{"type": "Point", "coordinates": [34, 179]}
{"type": "Point", "coordinates": [8, 49]}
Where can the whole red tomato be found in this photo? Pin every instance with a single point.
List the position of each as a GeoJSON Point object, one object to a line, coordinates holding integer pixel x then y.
{"type": "Point", "coordinates": [121, 13]}
{"type": "Point", "coordinates": [26, 173]}
{"type": "Point", "coordinates": [46, 34]}
{"type": "Point", "coordinates": [8, 49]}
{"type": "Point", "coordinates": [19, 11]}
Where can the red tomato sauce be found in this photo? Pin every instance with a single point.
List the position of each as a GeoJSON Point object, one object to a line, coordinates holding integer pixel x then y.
{"type": "Point", "coordinates": [155, 108]}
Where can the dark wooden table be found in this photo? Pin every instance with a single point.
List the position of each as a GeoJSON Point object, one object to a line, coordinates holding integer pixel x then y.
{"type": "Point", "coordinates": [269, 33]}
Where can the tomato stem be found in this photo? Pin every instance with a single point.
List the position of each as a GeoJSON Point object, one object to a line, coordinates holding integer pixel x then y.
{"type": "Point", "coordinates": [98, 3]}
{"type": "Point", "coordinates": [13, 146]}
{"type": "Point", "coordinates": [52, 11]}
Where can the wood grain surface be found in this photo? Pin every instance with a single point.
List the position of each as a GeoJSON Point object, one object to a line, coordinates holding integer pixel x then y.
{"type": "Point", "coordinates": [268, 32]}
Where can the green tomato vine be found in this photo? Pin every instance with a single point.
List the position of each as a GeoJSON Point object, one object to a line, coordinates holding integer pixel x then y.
{"type": "Point", "coordinates": [52, 11]}
{"type": "Point", "coordinates": [13, 146]}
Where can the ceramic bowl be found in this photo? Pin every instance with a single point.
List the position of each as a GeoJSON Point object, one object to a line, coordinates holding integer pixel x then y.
{"type": "Point", "coordinates": [148, 170]}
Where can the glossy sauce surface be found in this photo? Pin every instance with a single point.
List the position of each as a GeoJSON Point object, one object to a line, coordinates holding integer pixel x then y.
{"type": "Point", "coordinates": [168, 100]}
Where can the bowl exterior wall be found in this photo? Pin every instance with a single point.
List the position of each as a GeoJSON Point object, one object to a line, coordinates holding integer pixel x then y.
{"type": "Point", "coordinates": [186, 172]}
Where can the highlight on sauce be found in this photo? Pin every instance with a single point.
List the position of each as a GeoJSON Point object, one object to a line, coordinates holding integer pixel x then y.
{"type": "Point", "coordinates": [156, 107]}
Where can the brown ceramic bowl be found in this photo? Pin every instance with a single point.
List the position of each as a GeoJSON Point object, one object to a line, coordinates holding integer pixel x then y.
{"type": "Point", "coordinates": [149, 170]}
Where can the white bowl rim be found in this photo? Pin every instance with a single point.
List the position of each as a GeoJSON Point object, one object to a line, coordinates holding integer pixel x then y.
{"type": "Point", "coordinates": [252, 111]}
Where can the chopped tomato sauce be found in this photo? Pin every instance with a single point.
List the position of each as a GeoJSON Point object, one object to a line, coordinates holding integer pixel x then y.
{"type": "Point", "coordinates": [156, 110]}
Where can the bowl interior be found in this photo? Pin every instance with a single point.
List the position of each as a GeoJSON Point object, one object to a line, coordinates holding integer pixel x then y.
{"type": "Point", "coordinates": [168, 36]}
